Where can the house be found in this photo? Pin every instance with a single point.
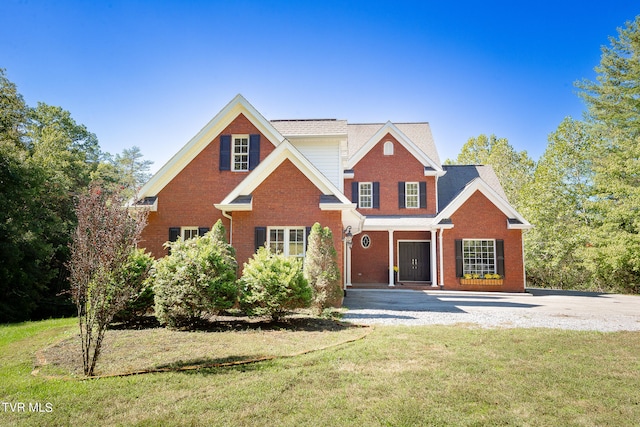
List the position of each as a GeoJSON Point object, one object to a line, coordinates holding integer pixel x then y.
{"type": "Point", "coordinates": [380, 188]}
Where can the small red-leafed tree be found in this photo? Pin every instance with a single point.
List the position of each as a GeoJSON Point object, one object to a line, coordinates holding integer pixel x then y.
{"type": "Point", "coordinates": [103, 241]}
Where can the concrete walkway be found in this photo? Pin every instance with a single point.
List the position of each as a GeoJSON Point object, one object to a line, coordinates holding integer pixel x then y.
{"type": "Point", "coordinates": [536, 308]}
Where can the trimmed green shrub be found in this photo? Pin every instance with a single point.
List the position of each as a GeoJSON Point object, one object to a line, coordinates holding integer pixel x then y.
{"type": "Point", "coordinates": [197, 278]}
{"type": "Point", "coordinates": [136, 273]}
{"type": "Point", "coordinates": [321, 269]}
{"type": "Point", "coordinates": [273, 284]}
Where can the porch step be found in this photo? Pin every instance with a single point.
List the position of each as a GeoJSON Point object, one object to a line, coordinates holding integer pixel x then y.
{"type": "Point", "coordinates": [419, 286]}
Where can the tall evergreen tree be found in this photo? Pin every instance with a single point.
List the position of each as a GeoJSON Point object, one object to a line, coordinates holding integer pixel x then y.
{"type": "Point", "coordinates": [613, 102]}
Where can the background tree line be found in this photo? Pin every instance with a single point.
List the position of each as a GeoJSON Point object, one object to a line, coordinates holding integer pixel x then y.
{"type": "Point", "coordinates": [46, 161]}
{"type": "Point", "coordinates": [583, 194]}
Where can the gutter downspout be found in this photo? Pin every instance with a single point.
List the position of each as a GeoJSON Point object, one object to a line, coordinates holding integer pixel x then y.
{"type": "Point", "coordinates": [230, 218]}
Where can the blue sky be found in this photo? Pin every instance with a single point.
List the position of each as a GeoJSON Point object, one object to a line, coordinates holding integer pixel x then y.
{"type": "Point", "coordinates": [153, 73]}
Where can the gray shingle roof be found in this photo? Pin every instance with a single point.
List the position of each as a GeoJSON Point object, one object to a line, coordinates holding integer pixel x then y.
{"type": "Point", "coordinates": [458, 176]}
{"type": "Point", "coordinates": [310, 127]}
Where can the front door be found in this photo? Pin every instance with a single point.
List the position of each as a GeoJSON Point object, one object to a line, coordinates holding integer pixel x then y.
{"type": "Point", "coordinates": [414, 261]}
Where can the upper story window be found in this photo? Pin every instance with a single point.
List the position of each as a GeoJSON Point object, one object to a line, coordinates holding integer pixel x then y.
{"type": "Point", "coordinates": [388, 148]}
{"type": "Point", "coordinates": [289, 241]}
{"type": "Point", "coordinates": [240, 152]}
{"type": "Point", "coordinates": [412, 195]}
{"type": "Point", "coordinates": [365, 192]}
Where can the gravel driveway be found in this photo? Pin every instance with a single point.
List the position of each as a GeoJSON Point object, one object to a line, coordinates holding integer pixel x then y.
{"type": "Point", "coordinates": [537, 308]}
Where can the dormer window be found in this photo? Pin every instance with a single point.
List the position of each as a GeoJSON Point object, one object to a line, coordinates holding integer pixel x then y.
{"type": "Point", "coordinates": [388, 148]}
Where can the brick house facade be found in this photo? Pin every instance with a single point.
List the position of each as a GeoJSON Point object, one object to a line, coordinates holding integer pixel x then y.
{"type": "Point", "coordinates": [397, 214]}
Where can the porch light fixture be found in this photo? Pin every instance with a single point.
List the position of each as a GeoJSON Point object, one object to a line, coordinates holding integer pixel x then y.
{"type": "Point", "coordinates": [348, 236]}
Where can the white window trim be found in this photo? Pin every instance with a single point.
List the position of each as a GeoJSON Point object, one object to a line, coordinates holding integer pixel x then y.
{"type": "Point", "coordinates": [184, 230]}
{"type": "Point", "coordinates": [360, 204]}
{"type": "Point", "coordinates": [362, 241]}
{"type": "Point", "coordinates": [388, 148]}
{"type": "Point", "coordinates": [406, 195]}
{"type": "Point", "coordinates": [286, 239]}
{"type": "Point", "coordinates": [495, 255]}
{"type": "Point", "coordinates": [233, 151]}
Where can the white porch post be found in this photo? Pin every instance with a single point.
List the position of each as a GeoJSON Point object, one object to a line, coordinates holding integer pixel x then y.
{"type": "Point", "coordinates": [391, 258]}
{"type": "Point", "coordinates": [347, 265]}
{"type": "Point", "coordinates": [441, 251]}
{"type": "Point", "coordinates": [434, 267]}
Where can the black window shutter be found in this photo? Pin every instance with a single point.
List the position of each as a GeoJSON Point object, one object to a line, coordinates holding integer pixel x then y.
{"type": "Point", "coordinates": [261, 237]}
{"type": "Point", "coordinates": [354, 192]}
{"type": "Point", "coordinates": [459, 259]}
{"type": "Point", "coordinates": [307, 231]}
{"type": "Point", "coordinates": [225, 153]}
{"type": "Point", "coordinates": [203, 230]}
{"type": "Point", "coordinates": [500, 257]}
{"type": "Point", "coordinates": [401, 202]}
{"type": "Point", "coordinates": [376, 195]}
{"type": "Point", "coordinates": [174, 233]}
{"type": "Point", "coordinates": [423, 194]}
{"type": "Point", "coordinates": [254, 151]}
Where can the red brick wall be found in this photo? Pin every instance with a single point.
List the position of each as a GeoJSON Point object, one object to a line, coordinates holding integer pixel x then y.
{"type": "Point", "coordinates": [389, 170]}
{"type": "Point", "coordinates": [372, 265]}
{"type": "Point", "coordinates": [285, 198]}
{"type": "Point", "coordinates": [478, 218]}
{"type": "Point", "coordinates": [188, 199]}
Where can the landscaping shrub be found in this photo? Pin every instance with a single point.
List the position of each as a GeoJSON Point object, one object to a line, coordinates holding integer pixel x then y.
{"type": "Point", "coordinates": [272, 284]}
{"type": "Point", "coordinates": [135, 272]}
{"type": "Point", "coordinates": [321, 269]}
{"type": "Point", "coordinates": [197, 278]}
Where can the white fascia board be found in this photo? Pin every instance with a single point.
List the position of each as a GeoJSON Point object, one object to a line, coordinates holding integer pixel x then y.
{"type": "Point", "coordinates": [200, 141]}
{"type": "Point", "coordinates": [337, 206]}
{"type": "Point", "coordinates": [398, 135]}
{"type": "Point", "coordinates": [284, 151]}
{"type": "Point", "coordinates": [479, 185]}
{"type": "Point", "coordinates": [234, 206]}
{"type": "Point", "coordinates": [525, 226]}
{"type": "Point", "coordinates": [354, 219]}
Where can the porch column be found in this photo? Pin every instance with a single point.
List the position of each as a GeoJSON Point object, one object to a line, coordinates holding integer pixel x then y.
{"type": "Point", "coordinates": [346, 251]}
{"type": "Point", "coordinates": [434, 267]}
{"type": "Point", "coordinates": [391, 258]}
{"type": "Point", "coordinates": [441, 249]}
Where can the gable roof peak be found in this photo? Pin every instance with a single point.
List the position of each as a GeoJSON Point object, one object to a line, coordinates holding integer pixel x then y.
{"type": "Point", "coordinates": [238, 105]}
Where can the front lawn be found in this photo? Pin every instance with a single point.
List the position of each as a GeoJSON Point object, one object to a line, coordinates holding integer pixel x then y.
{"type": "Point", "coordinates": [436, 375]}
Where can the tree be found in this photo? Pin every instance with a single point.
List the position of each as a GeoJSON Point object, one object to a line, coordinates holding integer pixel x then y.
{"type": "Point", "coordinates": [104, 238]}
{"type": "Point", "coordinates": [613, 106]}
{"type": "Point", "coordinates": [134, 171]}
{"type": "Point", "coordinates": [273, 284]}
{"type": "Point", "coordinates": [557, 201]}
{"type": "Point", "coordinates": [514, 169]}
{"type": "Point", "coordinates": [25, 252]}
{"type": "Point", "coordinates": [198, 277]}
{"type": "Point", "coordinates": [321, 269]}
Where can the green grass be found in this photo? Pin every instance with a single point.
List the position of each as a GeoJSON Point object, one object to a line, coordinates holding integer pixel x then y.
{"type": "Point", "coordinates": [395, 376]}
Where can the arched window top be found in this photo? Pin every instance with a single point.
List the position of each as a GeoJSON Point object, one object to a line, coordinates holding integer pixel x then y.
{"type": "Point", "coordinates": [388, 148]}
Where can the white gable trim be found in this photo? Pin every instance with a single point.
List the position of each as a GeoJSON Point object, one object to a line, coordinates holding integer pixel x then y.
{"type": "Point", "coordinates": [285, 151]}
{"type": "Point", "coordinates": [402, 139]}
{"type": "Point", "coordinates": [238, 105]}
{"type": "Point", "coordinates": [479, 185]}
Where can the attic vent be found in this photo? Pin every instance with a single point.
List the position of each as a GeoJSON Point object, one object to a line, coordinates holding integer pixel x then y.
{"type": "Point", "coordinates": [388, 148]}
